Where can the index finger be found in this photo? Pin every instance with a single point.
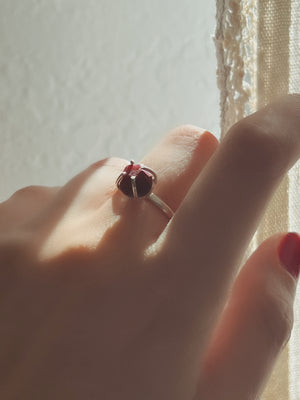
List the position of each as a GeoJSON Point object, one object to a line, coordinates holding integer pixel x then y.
{"type": "Point", "coordinates": [212, 228]}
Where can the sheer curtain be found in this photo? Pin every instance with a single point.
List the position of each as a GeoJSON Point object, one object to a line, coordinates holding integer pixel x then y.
{"type": "Point", "coordinates": [258, 50]}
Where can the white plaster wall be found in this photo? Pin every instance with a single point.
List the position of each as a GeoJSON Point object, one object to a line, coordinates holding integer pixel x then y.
{"type": "Point", "coordinates": [81, 80]}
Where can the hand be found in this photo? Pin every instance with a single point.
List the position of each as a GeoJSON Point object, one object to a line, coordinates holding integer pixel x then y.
{"type": "Point", "coordinates": [102, 298]}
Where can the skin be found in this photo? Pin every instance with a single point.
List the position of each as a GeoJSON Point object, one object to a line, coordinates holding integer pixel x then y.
{"type": "Point", "coordinates": [102, 298]}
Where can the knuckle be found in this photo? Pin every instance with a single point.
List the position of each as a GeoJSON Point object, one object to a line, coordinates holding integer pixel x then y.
{"type": "Point", "coordinates": [99, 163]}
{"type": "Point", "coordinates": [29, 190]}
{"type": "Point", "coordinates": [276, 318]}
{"type": "Point", "coordinates": [256, 148]}
{"type": "Point", "coordinates": [185, 133]}
{"type": "Point", "coordinates": [108, 161]}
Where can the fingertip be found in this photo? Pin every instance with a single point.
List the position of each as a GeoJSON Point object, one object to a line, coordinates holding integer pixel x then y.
{"type": "Point", "coordinates": [289, 253]}
{"type": "Point", "coordinates": [207, 135]}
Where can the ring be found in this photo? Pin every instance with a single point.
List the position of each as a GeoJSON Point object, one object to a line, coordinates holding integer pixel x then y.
{"type": "Point", "coordinates": [136, 181]}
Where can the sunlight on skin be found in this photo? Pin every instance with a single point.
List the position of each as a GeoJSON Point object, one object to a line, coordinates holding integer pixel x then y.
{"type": "Point", "coordinates": [196, 138]}
{"type": "Point", "coordinates": [83, 222]}
{"type": "Point", "coordinates": [85, 230]}
{"type": "Point", "coordinates": [104, 318]}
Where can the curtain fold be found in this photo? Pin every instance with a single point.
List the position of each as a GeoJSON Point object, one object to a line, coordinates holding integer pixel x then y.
{"type": "Point", "coordinates": [258, 51]}
{"type": "Point", "coordinates": [294, 202]}
{"type": "Point", "coordinates": [274, 20]}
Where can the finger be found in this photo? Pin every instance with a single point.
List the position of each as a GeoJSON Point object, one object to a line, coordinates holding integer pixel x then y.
{"type": "Point", "coordinates": [177, 161]}
{"type": "Point", "coordinates": [254, 327]}
{"type": "Point", "coordinates": [24, 204]}
{"type": "Point", "coordinates": [75, 217]}
{"type": "Point", "coordinates": [219, 215]}
{"type": "Point", "coordinates": [85, 215]}
{"type": "Point", "coordinates": [85, 193]}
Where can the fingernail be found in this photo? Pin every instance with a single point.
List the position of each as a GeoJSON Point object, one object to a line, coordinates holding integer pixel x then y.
{"type": "Point", "coordinates": [289, 253]}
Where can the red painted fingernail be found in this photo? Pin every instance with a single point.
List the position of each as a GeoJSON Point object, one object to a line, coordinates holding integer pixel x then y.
{"type": "Point", "coordinates": [289, 253]}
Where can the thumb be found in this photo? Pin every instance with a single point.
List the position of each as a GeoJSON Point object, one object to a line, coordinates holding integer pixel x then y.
{"type": "Point", "coordinates": [256, 323]}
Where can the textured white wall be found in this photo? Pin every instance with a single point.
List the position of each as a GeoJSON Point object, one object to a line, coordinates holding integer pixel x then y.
{"type": "Point", "coordinates": [82, 80]}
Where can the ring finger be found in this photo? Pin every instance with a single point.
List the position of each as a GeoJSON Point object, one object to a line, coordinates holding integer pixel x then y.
{"type": "Point", "coordinates": [177, 161]}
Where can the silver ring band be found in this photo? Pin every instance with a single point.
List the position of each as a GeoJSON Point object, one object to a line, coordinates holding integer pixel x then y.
{"type": "Point", "coordinates": [136, 181]}
{"type": "Point", "coordinates": [160, 204]}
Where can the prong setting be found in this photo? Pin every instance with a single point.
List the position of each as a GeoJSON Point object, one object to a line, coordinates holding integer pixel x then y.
{"type": "Point", "coordinates": [134, 189]}
{"type": "Point", "coordinates": [136, 181]}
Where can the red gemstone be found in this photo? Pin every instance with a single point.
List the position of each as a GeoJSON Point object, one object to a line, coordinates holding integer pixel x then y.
{"type": "Point", "coordinates": [143, 181]}
{"type": "Point", "coordinates": [132, 169]}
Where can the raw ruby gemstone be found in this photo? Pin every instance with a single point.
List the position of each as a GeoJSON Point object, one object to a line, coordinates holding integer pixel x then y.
{"type": "Point", "coordinates": [132, 169]}
{"type": "Point", "coordinates": [143, 181]}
